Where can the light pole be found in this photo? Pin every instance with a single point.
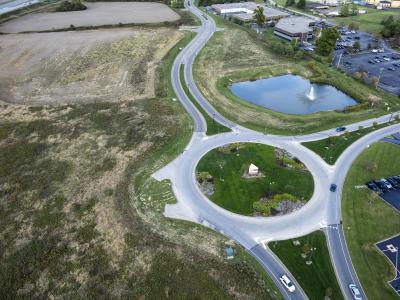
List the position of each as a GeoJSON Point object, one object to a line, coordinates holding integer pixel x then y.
{"type": "Point", "coordinates": [379, 77]}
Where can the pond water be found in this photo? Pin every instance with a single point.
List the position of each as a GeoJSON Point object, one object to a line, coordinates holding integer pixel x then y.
{"type": "Point", "coordinates": [292, 94]}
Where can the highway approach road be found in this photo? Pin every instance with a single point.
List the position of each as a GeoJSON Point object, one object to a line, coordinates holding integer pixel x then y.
{"type": "Point", "coordinates": [322, 211]}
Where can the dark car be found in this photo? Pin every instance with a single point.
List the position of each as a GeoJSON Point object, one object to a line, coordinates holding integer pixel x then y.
{"type": "Point", "coordinates": [393, 181]}
{"type": "Point", "coordinates": [333, 187]}
{"type": "Point", "coordinates": [371, 185]}
{"type": "Point", "coordinates": [340, 129]}
{"type": "Point", "coordinates": [381, 185]}
{"type": "Point", "coordinates": [391, 69]}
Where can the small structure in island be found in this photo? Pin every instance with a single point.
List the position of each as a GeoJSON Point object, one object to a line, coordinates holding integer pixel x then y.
{"type": "Point", "coordinates": [253, 170]}
{"type": "Point", "coordinates": [230, 252]}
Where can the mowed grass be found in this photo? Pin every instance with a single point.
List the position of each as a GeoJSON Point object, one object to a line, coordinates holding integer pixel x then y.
{"type": "Point", "coordinates": [237, 194]}
{"type": "Point", "coordinates": [318, 279]}
{"type": "Point", "coordinates": [369, 22]}
{"type": "Point", "coordinates": [367, 219]}
{"type": "Point", "coordinates": [331, 148]}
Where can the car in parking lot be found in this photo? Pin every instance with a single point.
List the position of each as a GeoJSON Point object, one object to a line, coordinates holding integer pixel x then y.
{"type": "Point", "coordinates": [371, 185]}
{"type": "Point", "coordinates": [340, 129]}
{"type": "Point", "coordinates": [355, 292]}
{"type": "Point", "coordinates": [381, 186]}
{"type": "Point", "coordinates": [392, 181]}
{"type": "Point", "coordinates": [388, 185]}
{"type": "Point", "coordinates": [287, 283]}
{"type": "Point", "coordinates": [333, 187]}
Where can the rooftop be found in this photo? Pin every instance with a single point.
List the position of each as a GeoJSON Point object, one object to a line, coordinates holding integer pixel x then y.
{"type": "Point", "coordinates": [269, 13]}
{"type": "Point", "coordinates": [295, 24]}
{"type": "Point", "coordinates": [244, 5]}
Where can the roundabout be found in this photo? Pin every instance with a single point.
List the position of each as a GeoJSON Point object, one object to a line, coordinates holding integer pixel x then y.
{"type": "Point", "coordinates": [321, 212]}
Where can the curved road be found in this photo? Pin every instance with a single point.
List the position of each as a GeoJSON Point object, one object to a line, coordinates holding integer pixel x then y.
{"type": "Point", "coordinates": [323, 210]}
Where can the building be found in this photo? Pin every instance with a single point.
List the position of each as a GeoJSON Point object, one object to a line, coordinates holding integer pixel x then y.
{"type": "Point", "coordinates": [300, 28]}
{"type": "Point", "coordinates": [385, 3]}
{"type": "Point", "coordinates": [243, 11]}
{"type": "Point", "coordinates": [271, 14]}
{"type": "Point", "coordinates": [253, 170]}
{"type": "Point", "coordinates": [234, 8]}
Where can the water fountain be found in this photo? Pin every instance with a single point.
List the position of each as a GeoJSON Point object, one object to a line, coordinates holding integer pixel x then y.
{"type": "Point", "coordinates": [311, 94]}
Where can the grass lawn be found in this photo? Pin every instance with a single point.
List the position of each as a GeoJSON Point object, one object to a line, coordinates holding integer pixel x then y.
{"type": "Point", "coordinates": [367, 219]}
{"type": "Point", "coordinates": [238, 54]}
{"type": "Point", "coordinates": [369, 22]}
{"type": "Point", "coordinates": [331, 148]}
{"type": "Point", "coordinates": [318, 279]}
{"type": "Point", "coordinates": [212, 126]}
{"type": "Point", "coordinates": [237, 194]}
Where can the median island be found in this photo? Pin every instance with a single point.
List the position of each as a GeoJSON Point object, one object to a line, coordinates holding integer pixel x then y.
{"type": "Point", "coordinates": [254, 179]}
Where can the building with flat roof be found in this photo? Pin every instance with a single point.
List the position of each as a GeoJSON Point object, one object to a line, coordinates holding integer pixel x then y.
{"type": "Point", "coordinates": [300, 28]}
{"type": "Point", "coordinates": [234, 8]}
{"type": "Point", "coordinates": [385, 3]}
{"type": "Point", "coordinates": [271, 14]}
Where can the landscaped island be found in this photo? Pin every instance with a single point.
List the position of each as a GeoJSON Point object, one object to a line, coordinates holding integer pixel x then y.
{"type": "Point", "coordinates": [254, 179]}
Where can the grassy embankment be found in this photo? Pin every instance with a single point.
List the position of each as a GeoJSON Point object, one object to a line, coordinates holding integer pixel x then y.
{"type": "Point", "coordinates": [331, 148]}
{"type": "Point", "coordinates": [213, 127]}
{"type": "Point", "coordinates": [367, 219]}
{"type": "Point", "coordinates": [238, 54]}
{"type": "Point", "coordinates": [318, 279]}
{"type": "Point", "coordinates": [81, 218]}
{"type": "Point", "coordinates": [368, 22]}
{"type": "Point", "coordinates": [237, 194]}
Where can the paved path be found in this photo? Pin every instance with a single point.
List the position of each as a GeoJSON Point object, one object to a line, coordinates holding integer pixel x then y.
{"type": "Point", "coordinates": [322, 211]}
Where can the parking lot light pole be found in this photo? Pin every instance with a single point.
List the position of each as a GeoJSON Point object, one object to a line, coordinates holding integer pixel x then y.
{"type": "Point", "coordinates": [380, 74]}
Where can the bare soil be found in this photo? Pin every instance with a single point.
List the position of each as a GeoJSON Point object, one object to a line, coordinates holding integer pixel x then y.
{"type": "Point", "coordinates": [82, 66]}
{"type": "Point", "coordinates": [96, 14]}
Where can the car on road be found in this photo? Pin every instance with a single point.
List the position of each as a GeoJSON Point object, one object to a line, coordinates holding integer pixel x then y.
{"type": "Point", "coordinates": [340, 129]}
{"type": "Point", "coordinates": [355, 292]}
{"type": "Point", "coordinates": [287, 283]}
{"type": "Point", "coordinates": [333, 187]}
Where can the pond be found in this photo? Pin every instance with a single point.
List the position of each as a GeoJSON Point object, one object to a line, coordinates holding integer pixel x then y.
{"type": "Point", "coordinates": [292, 94]}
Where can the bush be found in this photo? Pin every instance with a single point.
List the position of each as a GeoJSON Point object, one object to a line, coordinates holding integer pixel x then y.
{"type": "Point", "coordinates": [73, 5]}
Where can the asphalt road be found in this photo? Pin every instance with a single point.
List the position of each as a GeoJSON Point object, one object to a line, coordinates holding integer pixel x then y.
{"type": "Point", "coordinates": [322, 211]}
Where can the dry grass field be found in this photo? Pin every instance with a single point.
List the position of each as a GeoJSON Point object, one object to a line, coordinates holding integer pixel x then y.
{"type": "Point", "coordinates": [82, 66]}
{"type": "Point", "coordinates": [96, 14]}
{"type": "Point", "coordinates": [86, 117]}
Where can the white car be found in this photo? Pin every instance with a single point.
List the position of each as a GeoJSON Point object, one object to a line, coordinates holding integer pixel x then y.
{"type": "Point", "coordinates": [355, 292]}
{"type": "Point", "coordinates": [287, 283]}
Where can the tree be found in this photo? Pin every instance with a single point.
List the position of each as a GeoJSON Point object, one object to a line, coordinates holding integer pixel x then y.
{"type": "Point", "coordinates": [290, 3]}
{"type": "Point", "coordinates": [327, 42]}
{"type": "Point", "coordinates": [259, 16]}
{"type": "Point", "coordinates": [353, 9]}
{"type": "Point", "coordinates": [374, 81]}
{"type": "Point", "coordinates": [301, 4]}
{"type": "Point", "coordinates": [345, 11]}
{"type": "Point", "coordinates": [356, 46]}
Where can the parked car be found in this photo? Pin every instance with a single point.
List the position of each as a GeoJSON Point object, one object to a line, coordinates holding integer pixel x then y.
{"type": "Point", "coordinates": [333, 187]}
{"type": "Point", "coordinates": [388, 185]}
{"type": "Point", "coordinates": [381, 186]}
{"type": "Point", "coordinates": [371, 185]}
{"type": "Point", "coordinates": [393, 181]}
{"type": "Point", "coordinates": [340, 129]}
{"type": "Point", "coordinates": [287, 283]}
{"type": "Point", "coordinates": [355, 292]}
{"type": "Point", "coordinates": [391, 69]}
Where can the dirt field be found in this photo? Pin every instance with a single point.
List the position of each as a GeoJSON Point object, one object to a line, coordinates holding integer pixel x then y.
{"type": "Point", "coordinates": [97, 14]}
{"type": "Point", "coordinates": [82, 66]}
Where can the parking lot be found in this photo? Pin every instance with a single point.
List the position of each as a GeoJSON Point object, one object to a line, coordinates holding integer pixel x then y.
{"type": "Point", "coordinates": [390, 248]}
{"type": "Point", "coordinates": [383, 63]}
{"type": "Point", "coordinates": [388, 189]}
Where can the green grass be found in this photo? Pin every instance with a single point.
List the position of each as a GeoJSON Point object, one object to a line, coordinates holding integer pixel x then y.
{"type": "Point", "coordinates": [369, 22]}
{"type": "Point", "coordinates": [331, 148]}
{"type": "Point", "coordinates": [316, 279]}
{"type": "Point", "coordinates": [367, 219]}
{"type": "Point", "coordinates": [237, 194]}
{"type": "Point", "coordinates": [213, 127]}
